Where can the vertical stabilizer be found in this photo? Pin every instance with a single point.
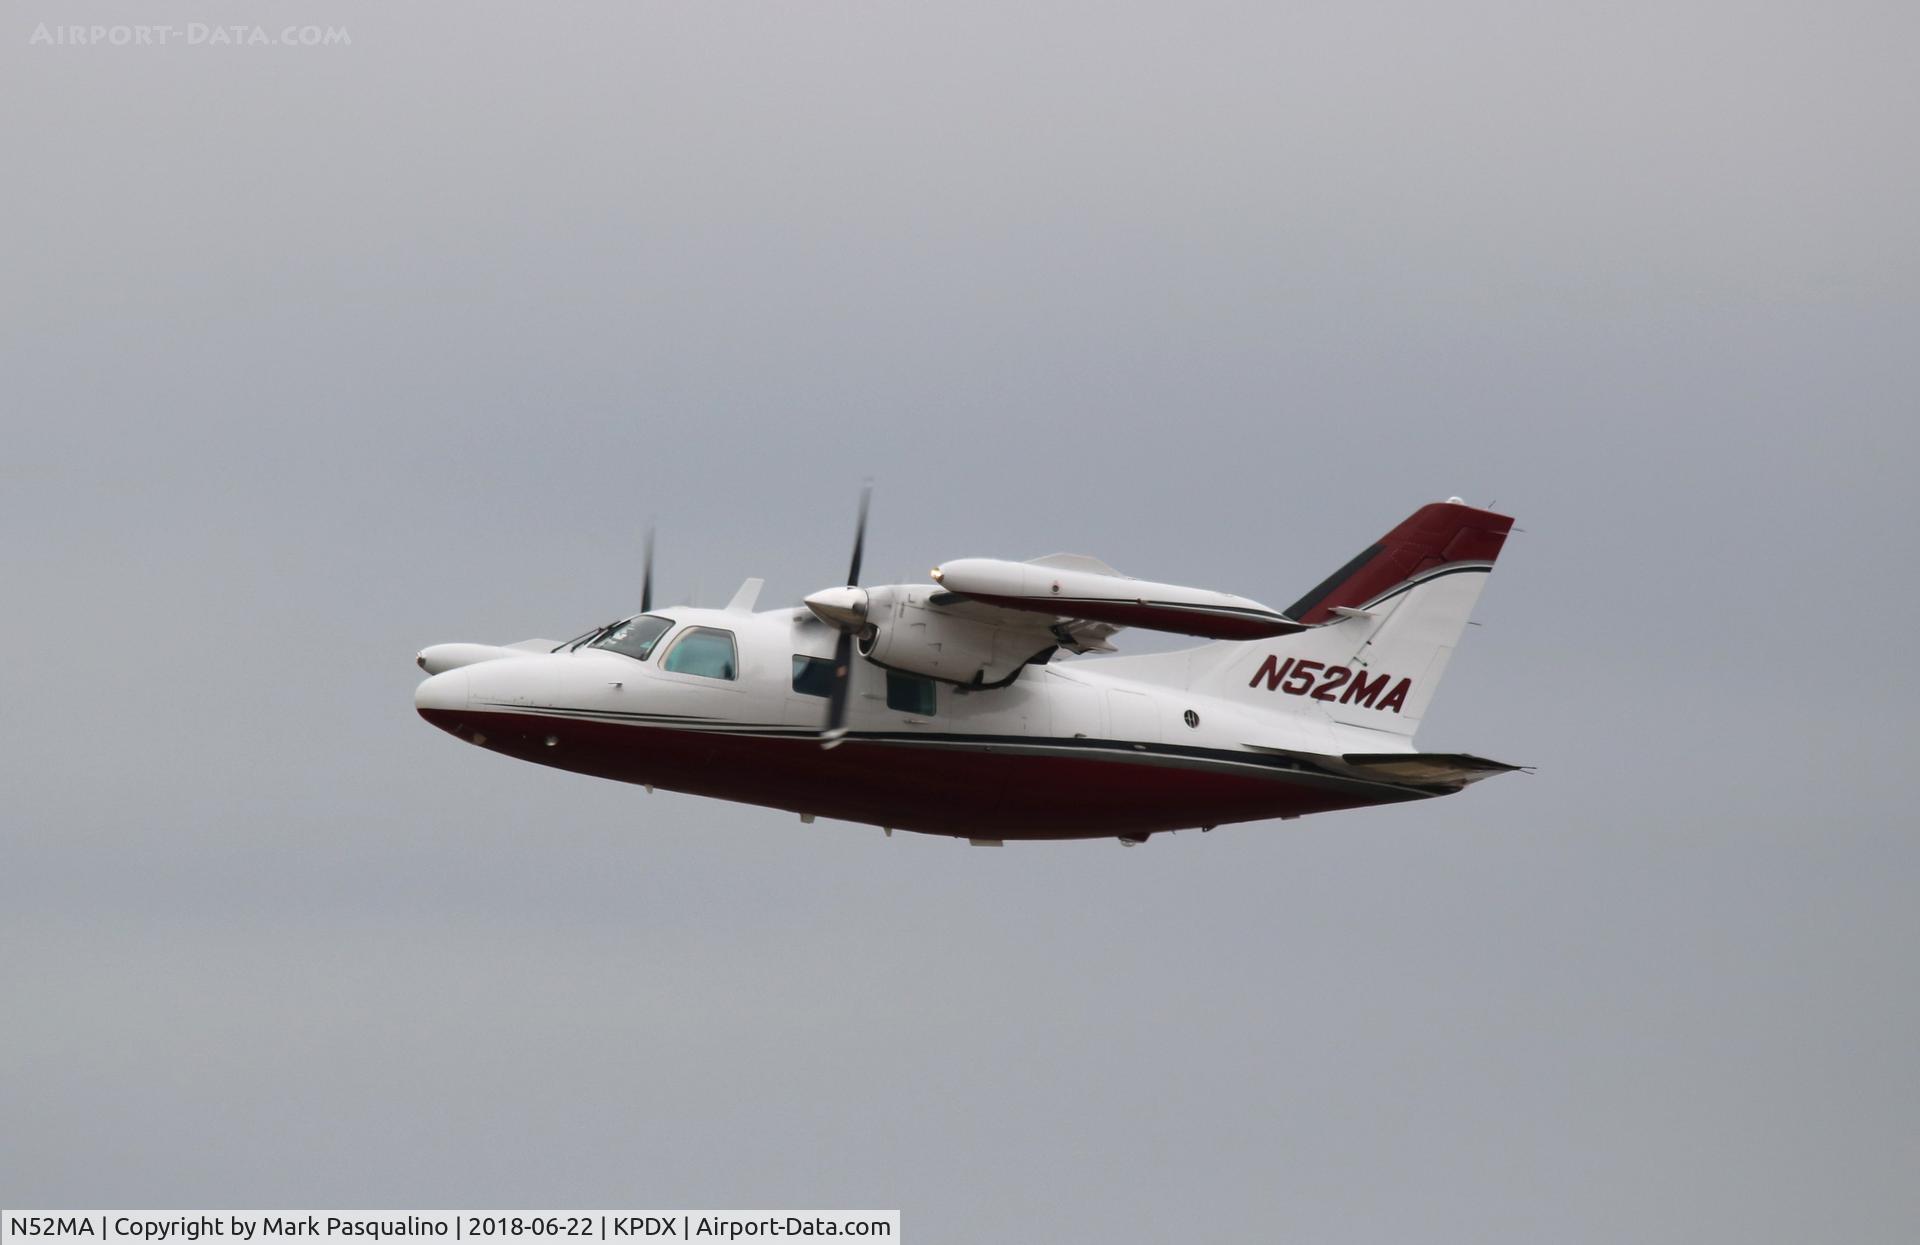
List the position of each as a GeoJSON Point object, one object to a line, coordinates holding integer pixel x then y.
{"type": "Point", "coordinates": [1443, 533]}
{"type": "Point", "coordinates": [1386, 624]}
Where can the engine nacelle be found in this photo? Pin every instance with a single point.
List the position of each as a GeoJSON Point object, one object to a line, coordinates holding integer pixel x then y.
{"type": "Point", "coordinates": [904, 634]}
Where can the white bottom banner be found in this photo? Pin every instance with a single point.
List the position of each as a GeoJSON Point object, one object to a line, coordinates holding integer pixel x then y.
{"type": "Point", "coordinates": [363, 1227]}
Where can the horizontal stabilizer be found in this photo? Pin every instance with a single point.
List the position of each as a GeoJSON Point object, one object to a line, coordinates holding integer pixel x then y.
{"type": "Point", "coordinates": [1452, 769]}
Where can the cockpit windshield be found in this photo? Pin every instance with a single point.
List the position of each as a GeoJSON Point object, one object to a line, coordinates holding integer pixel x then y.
{"type": "Point", "coordinates": [636, 636]}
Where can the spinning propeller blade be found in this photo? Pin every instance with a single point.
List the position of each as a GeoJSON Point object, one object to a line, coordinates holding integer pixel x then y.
{"type": "Point", "coordinates": [646, 573]}
{"type": "Point", "coordinates": [837, 700]}
{"type": "Point", "coordinates": [843, 645]}
{"type": "Point", "coordinates": [859, 537]}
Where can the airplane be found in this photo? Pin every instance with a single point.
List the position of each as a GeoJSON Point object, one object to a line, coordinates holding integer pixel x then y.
{"type": "Point", "coordinates": [989, 704]}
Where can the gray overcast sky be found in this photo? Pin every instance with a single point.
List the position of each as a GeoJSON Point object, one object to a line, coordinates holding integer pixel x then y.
{"type": "Point", "coordinates": [315, 356]}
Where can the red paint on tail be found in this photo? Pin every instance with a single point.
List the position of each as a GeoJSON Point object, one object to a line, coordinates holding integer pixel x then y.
{"type": "Point", "coordinates": [1431, 536]}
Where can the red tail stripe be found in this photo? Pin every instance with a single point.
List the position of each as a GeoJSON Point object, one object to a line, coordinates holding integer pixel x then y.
{"type": "Point", "coordinates": [1433, 535]}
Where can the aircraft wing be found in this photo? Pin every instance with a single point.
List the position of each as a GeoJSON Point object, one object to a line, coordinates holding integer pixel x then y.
{"type": "Point", "coordinates": [1078, 635]}
{"type": "Point", "coordinates": [1075, 588]}
{"type": "Point", "coordinates": [987, 619]}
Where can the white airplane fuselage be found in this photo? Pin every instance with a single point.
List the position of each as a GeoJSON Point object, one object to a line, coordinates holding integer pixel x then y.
{"type": "Point", "coordinates": [1069, 749]}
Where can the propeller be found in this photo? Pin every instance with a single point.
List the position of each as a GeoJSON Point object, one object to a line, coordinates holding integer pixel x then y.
{"type": "Point", "coordinates": [846, 609]}
{"type": "Point", "coordinates": [859, 536]}
{"type": "Point", "coordinates": [646, 573]}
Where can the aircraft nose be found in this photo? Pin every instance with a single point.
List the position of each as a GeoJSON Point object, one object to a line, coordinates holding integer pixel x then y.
{"type": "Point", "coordinates": [442, 693]}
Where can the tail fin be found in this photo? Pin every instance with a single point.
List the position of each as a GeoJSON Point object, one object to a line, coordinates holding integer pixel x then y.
{"type": "Point", "coordinates": [1385, 625]}
{"type": "Point", "coordinates": [1443, 533]}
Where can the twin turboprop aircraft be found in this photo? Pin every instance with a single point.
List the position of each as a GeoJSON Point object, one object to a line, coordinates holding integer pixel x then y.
{"type": "Point", "coordinates": [983, 705]}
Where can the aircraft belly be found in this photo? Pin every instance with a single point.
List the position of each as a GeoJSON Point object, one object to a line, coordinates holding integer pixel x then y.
{"type": "Point", "coordinates": [984, 786]}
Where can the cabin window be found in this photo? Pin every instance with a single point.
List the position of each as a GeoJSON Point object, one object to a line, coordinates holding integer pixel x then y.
{"type": "Point", "coordinates": [636, 636]}
{"type": "Point", "coordinates": [910, 693]}
{"type": "Point", "coordinates": [812, 676]}
{"type": "Point", "coordinates": [704, 651]}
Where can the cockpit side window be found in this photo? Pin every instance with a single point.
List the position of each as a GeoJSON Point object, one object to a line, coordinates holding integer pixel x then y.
{"type": "Point", "coordinates": [636, 636]}
{"type": "Point", "coordinates": [705, 651]}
